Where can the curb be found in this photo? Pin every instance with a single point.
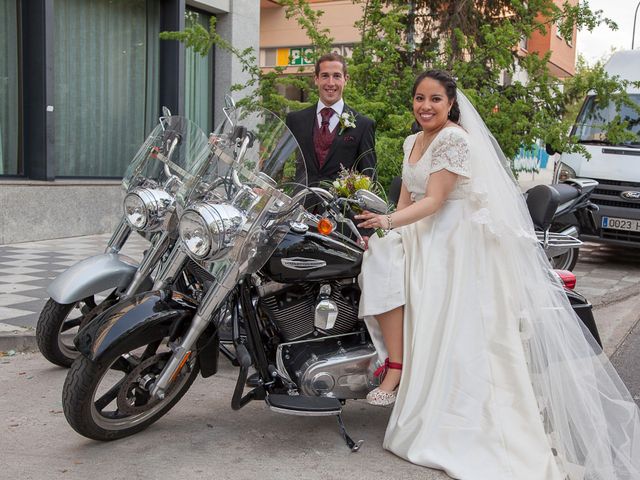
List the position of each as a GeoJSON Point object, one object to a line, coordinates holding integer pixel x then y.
{"type": "Point", "coordinates": [18, 341]}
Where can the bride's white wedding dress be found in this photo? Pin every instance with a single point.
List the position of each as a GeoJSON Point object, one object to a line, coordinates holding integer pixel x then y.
{"type": "Point", "coordinates": [498, 380]}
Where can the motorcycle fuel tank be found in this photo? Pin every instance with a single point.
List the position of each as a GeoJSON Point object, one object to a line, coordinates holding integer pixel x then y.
{"type": "Point", "coordinates": [309, 256]}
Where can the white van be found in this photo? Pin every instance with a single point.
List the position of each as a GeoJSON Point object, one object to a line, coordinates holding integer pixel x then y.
{"type": "Point", "coordinates": [615, 167]}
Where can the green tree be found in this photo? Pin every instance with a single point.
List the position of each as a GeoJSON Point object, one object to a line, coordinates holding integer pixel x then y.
{"type": "Point", "coordinates": [474, 40]}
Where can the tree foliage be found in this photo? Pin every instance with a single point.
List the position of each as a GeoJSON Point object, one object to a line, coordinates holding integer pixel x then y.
{"type": "Point", "coordinates": [475, 40]}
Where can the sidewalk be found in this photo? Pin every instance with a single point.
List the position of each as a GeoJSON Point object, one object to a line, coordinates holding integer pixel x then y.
{"type": "Point", "coordinates": [27, 269]}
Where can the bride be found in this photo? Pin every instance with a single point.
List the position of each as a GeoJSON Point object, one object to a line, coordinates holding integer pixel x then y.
{"type": "Point", "coordinates": [492, 374]}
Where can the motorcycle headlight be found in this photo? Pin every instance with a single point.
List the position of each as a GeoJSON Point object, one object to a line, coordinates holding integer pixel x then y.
{"type": "Point", "coordinates": [193, 232]}
{"type": "Point", "coordinates": [145, 208]}
{"type": "Point", "coordinates": [208, 231]}
{"type": "Point", "coordinates": [134, 211]}
{"type": "Point", "coordinates": [564, 172]}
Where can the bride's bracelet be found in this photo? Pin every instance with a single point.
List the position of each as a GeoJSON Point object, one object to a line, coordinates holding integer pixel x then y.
{"type": "Point", "coordinates": [389, 222]}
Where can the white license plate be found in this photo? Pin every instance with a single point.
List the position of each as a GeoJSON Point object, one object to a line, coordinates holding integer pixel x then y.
{"type": "Point", "coordinates": [627, 224]}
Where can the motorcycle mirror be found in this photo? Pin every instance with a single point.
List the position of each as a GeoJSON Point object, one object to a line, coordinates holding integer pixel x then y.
{"type": "Point", "coordinates": [229, 106]}
{"type": "Point", "coordinates": [229, 102]}
{"type": "Point", "coordinates": [165, 114]}
{"type": "Point", "coordinates": [370, 201]}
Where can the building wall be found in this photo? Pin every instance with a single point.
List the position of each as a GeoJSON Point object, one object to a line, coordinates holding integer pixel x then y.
{"type": "Point", "coordinates": [35, 203]}
{"type": "Point", "coordinates": [563, 54]}
{"type": "Point", "coordinates": [32, 211]}
{"type": "Point", "coordinates": [339, 17]}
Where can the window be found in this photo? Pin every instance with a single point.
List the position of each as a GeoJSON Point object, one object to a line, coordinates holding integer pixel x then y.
{"type": "Point", "coordinates": [559, 34]}
{"type": "Point", "coordinates": [106, 83]}
{"type": "Point", "coordinates": [591, 122]}
{"type": "Point", "coordinates": [199, 78]}
{"type": "Point", "coordinates": [9, 89]}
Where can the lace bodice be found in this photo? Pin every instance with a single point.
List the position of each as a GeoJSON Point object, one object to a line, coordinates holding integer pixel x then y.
{"type": "Point", "coordinates": [449, 150]}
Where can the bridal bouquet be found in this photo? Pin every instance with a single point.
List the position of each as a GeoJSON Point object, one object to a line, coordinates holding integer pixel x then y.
{"type": "Point", "coordinates": [349, 181]}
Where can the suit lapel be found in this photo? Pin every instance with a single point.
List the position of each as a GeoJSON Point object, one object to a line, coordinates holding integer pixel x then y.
{"type": "Point", "coordinates": [307, 125]}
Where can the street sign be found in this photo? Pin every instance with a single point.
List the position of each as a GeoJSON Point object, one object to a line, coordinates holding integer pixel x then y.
{"type": "Point", "coordinates": [295, 56]}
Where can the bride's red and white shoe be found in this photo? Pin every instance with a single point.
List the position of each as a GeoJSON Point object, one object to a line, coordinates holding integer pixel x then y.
{"type": "Point", "coordinates": [380, 397]}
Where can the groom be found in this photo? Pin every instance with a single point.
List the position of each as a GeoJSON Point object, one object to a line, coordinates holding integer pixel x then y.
{"type": "Point", "coordinates": [330, 133]}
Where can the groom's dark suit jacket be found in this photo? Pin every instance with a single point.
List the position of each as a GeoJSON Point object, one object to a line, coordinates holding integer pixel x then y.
{"type": "Point", "coordinates": [354, 148]}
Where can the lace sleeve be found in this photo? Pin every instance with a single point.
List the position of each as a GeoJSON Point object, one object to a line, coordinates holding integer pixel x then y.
{"type": "Point", "coordinates": [451, 153]}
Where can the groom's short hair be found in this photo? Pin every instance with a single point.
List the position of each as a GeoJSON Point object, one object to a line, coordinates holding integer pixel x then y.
{"type": "Point", "coordinates": [331, 57]}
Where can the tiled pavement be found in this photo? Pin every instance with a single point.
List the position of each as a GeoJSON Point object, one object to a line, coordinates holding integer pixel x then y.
{"type": "Point", "coordinates": [26, 269]}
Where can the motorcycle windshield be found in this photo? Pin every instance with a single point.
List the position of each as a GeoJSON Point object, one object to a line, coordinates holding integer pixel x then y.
{"type": "Point", "coordinates": [176, 147]}
{"type": "Point", "coordinates": [255, 166]}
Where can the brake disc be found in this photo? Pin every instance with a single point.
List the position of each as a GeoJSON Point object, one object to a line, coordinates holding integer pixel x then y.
{"type": "Point", "coordinates": [134, 396]}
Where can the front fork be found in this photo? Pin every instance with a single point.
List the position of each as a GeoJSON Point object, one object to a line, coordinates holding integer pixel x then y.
{"type": "Point", "coordinates": [119, 237]}
{"type": "Point", "coordinates": [149, 262]}
{"type": "Point", "coordinates": [182, 352]}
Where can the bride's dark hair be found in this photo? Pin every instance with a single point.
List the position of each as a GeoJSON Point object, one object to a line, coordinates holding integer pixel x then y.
{"type": "Point", "coordinates": [449, 85]}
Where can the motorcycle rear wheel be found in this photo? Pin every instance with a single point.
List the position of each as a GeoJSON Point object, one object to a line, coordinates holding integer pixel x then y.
{"type": "Point", "coordinates": [122, 408]}
{"type": "Point", "coordinates": [566, 261]}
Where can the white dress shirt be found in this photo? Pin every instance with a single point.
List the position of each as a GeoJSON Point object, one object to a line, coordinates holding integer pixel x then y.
{"type": "Point", "coordinates": [333, 121]}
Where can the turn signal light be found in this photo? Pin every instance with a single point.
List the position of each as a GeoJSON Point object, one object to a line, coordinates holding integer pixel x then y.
{"type": "Point", "coordinates": [325, 226]}
{"type": "Point", "coordinates": [568, 278]}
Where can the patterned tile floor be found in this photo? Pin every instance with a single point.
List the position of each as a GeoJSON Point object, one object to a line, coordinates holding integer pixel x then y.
{"type": "Point", "coordinates": [26, 269]}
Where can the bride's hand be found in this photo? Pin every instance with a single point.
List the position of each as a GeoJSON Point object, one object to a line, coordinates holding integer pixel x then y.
{"type": "Point", "coordinates": [372, 220]}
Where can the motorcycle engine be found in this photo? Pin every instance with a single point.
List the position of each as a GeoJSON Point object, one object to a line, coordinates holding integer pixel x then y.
{"type": "Point", "coordinates": [291, 308]}
{"type": "Point", "coordinates": [339, 366]}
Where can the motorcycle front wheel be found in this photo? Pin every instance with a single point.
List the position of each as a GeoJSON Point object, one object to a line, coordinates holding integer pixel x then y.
{"type": "Point", "coordinates": [111, 400]}
{"type": "Point", "coordinates": [58, 324]}
{"type": "Point", "coordinates": [566, 261]}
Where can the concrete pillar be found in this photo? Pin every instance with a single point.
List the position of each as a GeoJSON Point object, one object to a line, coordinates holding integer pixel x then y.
{"type": "Point", "coordinates": [241, 28]}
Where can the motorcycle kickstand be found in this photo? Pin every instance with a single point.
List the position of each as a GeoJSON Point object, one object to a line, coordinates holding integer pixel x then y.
{"type": "Point", "coordinates": [353, 446]}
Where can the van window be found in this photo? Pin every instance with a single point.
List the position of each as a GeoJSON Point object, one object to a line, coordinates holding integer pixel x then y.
{"type": "Point", "coordinates": [593, 117]}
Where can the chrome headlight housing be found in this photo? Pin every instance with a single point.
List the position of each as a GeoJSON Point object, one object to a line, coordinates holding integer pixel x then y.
{"type": "Point", "coordinates": [145, 208]}
{"type": "Point", "coordinates": [209, 231]}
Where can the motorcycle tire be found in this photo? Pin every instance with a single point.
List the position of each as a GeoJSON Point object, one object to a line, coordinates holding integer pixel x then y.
{"type": "Point", "coordinates": [566, 261]}
{"type": "Point", "coordinates": [88, 416]}
{"type": "Point", "coordinates": [53, 322]}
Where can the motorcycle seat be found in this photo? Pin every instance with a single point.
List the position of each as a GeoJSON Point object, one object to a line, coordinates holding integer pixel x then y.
{"type": "Point", "coordinates": [566, 192]}
{"type": "Point", "coordinates": [542, 202]}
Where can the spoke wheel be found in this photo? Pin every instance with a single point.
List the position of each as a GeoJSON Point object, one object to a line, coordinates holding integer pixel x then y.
{"type": "Point", "coordinates": [58, 324]}
{"type": "Point", "coordinates": [112, 400]}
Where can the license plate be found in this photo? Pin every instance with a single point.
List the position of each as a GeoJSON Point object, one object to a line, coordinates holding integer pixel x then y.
{"type": "Point", "coordinates": [628, 224]}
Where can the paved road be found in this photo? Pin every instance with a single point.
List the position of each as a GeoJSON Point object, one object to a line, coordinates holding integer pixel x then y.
{"type": "Point", "coordinates": [202, 437]}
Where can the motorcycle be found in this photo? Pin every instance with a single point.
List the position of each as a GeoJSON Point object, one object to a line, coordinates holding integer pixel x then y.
{"type": "Point", "coordinates": [282, 281]}
{"type": "Point", "coordinates": [151, 181]}
{"type": "Point", "coordinates": [572, 215]}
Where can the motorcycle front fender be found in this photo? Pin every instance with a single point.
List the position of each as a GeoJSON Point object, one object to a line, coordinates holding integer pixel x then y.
{"type": "Point", "coordinates": [93, 275]}
{"type": "Point", "coordinates": [149, 315]}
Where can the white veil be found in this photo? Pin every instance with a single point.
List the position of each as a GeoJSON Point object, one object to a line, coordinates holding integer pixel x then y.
{"type": "Point", "coordinates": [590, 418]}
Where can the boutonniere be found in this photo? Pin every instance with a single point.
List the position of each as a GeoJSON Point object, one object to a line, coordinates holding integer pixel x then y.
{"type": "Point", "coordinates": [346, 120]}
